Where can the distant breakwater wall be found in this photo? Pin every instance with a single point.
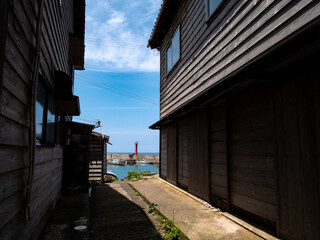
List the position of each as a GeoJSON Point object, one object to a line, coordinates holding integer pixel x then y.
{"type": "Point", "coordinates": [148, 157]}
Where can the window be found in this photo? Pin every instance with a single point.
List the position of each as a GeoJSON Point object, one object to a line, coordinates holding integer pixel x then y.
{"type": "Point", "coordinates": [173, 51]}
{"type": "Point", "coordinates": [211, 6]}
{"type": "Point", "coordinates": [45, 115]}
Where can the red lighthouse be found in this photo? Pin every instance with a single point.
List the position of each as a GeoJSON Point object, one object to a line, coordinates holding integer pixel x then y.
{"type": "Point", "coordinates": [136, 143]}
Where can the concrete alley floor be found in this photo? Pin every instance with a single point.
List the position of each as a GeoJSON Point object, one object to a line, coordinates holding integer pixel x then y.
{"type": "Point", "coordinates": [115, 211]}
{"type": "Point", "coordinates": [190, 214]}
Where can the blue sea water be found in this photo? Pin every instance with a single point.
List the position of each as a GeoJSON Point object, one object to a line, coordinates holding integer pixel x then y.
{"type": "Point", "coordinates": [142, 153]}
{"type": "Point", "coordinates": [122, 171]}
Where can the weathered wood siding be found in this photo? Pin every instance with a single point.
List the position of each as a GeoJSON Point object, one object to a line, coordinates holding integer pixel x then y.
{"type": "Point", "coordinates": [95, 158]}
{"type": "Point", "coordinates": [18, 64]}
{"type": "Point", "coordinates": [164, 152]}
{"type": "Point", "coordinates": [172, 154]}
{"type": "Point", "coordinates": [183, 148]}
{"type": "Point", "coordinates": [218, 155]}
{"type": "Point", "coordinates": [251, 153]}
{"type": "Point", "coordinates": [297, 125]}
{"type": "Point", "coordinates": [198, 165]}
{"type": "Point", "coordinates": [240, 34]}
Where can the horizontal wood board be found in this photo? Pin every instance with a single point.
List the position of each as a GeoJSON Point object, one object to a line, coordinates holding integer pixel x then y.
{"type": "Point", "coordinates": [241, 33]}
{"type": "Point", "coordinates": [18, 64]}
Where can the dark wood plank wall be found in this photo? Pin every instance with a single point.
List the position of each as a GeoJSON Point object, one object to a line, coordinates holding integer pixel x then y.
{"type": "Point", "coordinates": [297, 127]}
{"type": "Point", "coordinates": [164, 152]}
{"type": "Point", "coordinates": [198, 155]}
{"type": "Point", "coordinates": [218, 155]}
{"type": "Point", "coordinates": [14, 127]}
{"type": "Point", "coordinates": [4, 5]}
{"type": "Point", "coordinates": [95, 158]}
{"type": "Point", "coordinates": [240, 34]}
{"type": "Point", "coordinates": [15, 115]}
{"type": "Point", "coordinates": [251, 153]}
{"type": "Point", "coordinates": [172, 154]}
{"type": "Point", "coordinates": [183, 149]}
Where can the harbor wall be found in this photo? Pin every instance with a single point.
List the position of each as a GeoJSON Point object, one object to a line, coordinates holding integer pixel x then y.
{"type": "Point", "coordinates": [148, 157]}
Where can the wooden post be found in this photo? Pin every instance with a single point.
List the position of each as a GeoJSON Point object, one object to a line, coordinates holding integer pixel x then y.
{"type": "Point", "coordinates": [4, 5]}
{"type": "Point", "coordinates": [177, 151]}
{"type": "Point", "coordinates": [209, 148]}
{"type": "Point", "coordinates": [228, 159]}
{"type": "Point", "coordinates": [160, 152]}
{"type": "Point", "coordinates": [275, 158]}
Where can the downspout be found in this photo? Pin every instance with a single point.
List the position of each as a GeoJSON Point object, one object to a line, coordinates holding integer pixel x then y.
{"type": "Point", "coordinates": [33, 111]}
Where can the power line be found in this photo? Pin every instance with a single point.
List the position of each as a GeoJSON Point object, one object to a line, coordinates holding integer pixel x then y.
{"type": "Point", "coordinates": [119, 91]}
{"type": "Point", "coordinates": [119, 44]}
{"type": "Point", "coordinates": [85, 120]}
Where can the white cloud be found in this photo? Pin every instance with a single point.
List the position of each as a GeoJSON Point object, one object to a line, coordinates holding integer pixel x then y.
{"type": "Point", "coordinates": [116, 36]}
{"type": "Point", "coordinates": [117, 18]}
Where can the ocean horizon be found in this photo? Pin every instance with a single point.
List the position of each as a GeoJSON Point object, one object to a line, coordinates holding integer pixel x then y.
{"type": "Point", "coordinates": [143, 153]}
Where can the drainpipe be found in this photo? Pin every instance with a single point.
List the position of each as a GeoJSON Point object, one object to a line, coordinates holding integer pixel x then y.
{"type": "Point", "coordinates": [32, 139]}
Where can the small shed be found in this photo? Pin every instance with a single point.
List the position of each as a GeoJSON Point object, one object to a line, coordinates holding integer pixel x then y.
{"type": "Point", "coordinates": [97, 156]}
{"type": "Point", "coordinates": [75, 157]}
{"type": "Point", "coordinates": [83, 157]}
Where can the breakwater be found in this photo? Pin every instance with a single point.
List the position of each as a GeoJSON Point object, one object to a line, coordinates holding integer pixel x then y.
{"type": "Point", "coordinates": [147, 157]}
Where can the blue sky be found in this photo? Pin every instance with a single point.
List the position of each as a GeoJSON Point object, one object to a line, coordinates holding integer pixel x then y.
{"type": "Point", "coordinates": [120, 85]}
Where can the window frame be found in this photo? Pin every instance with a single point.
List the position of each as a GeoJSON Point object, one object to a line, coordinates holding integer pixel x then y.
{"type": "Point", "coordinates": [216, 11]}
{"type": "Point", "coordinates": [170, 46]}
{"type": "Point", "coordinates": [49, 96]}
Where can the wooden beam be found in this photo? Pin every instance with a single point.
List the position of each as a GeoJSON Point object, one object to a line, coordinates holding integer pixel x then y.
{"type": "Point", "coordinates": [160, 152]}
{"type": "Point", "coordinates": [208, 113]}
{"type": "Point", "coordinates": [228, 159]}
{"type": "Point", "coordinates": [177, 151]}
{"type": "Point", "coordinates": [4, 5]}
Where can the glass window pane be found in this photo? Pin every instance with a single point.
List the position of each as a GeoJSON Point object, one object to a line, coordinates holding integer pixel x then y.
{"type": "Point", "coordinates": [40, 103]}
{"type": "Point", "coordinates": [169, 58]}
{"type": "Point", "coordinates": [51, 120]}
{"type": "Point", "coordinates": [213, 4]}
{"type": "Point", "coordinates": [176, 47]}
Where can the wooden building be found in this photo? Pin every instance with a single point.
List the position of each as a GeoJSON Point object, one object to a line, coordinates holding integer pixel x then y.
{"type": "Point", "coordinates": [84, 158]}
{"type": "Point", "coordinates": [41, 44]}
{"type": "Point", "coordinates": [240, 107]}
{"type": "Point", "coordinates": [98, 156]}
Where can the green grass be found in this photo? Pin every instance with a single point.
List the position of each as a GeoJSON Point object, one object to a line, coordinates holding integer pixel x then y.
{"type": "Point", "coordinates": [136, 175]}
{"type": "Point", "coordinates": [172, 232]}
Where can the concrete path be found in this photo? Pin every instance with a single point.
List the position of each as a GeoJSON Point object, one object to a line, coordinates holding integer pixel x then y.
{"type": "Point", "coordinates": [116, 212]}
{"type": "Point", "coordinates": [194, 219]}
{"type": "Point", "coordinates": [113, 212]}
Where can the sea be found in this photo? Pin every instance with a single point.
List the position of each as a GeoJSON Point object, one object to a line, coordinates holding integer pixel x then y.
{"type": "Point", "coordinates": [142, 153]}
{"type": "Point", "coordinates": [122, 171]}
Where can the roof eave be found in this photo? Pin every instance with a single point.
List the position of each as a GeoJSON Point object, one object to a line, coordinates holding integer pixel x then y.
{"type": "Point", "coordinates": [163, 22]}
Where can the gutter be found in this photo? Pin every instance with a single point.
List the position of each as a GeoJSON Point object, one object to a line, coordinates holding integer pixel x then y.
{"type": "Point", "coordinates": [32, 139]}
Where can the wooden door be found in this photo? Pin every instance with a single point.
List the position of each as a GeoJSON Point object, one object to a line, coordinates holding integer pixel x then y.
{"type": "Point", "coordinates": [218, 156]}
{"type": "Point", "coordinates": [198, 155]}
{"type": "Point", "coordinates": [183, 148]}
{"type": "Point", "coordinates": [164, 152]}
{"type": "Point", "coordinates": [251, 155]}
{"type": "Point", "coordinates": [172, 156]}
{"type": "Point", "coordinates": [297, 124]}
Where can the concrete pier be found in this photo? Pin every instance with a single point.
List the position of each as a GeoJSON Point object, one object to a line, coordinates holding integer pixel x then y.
{"type": "Point", "coordinates": [148, 157]}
